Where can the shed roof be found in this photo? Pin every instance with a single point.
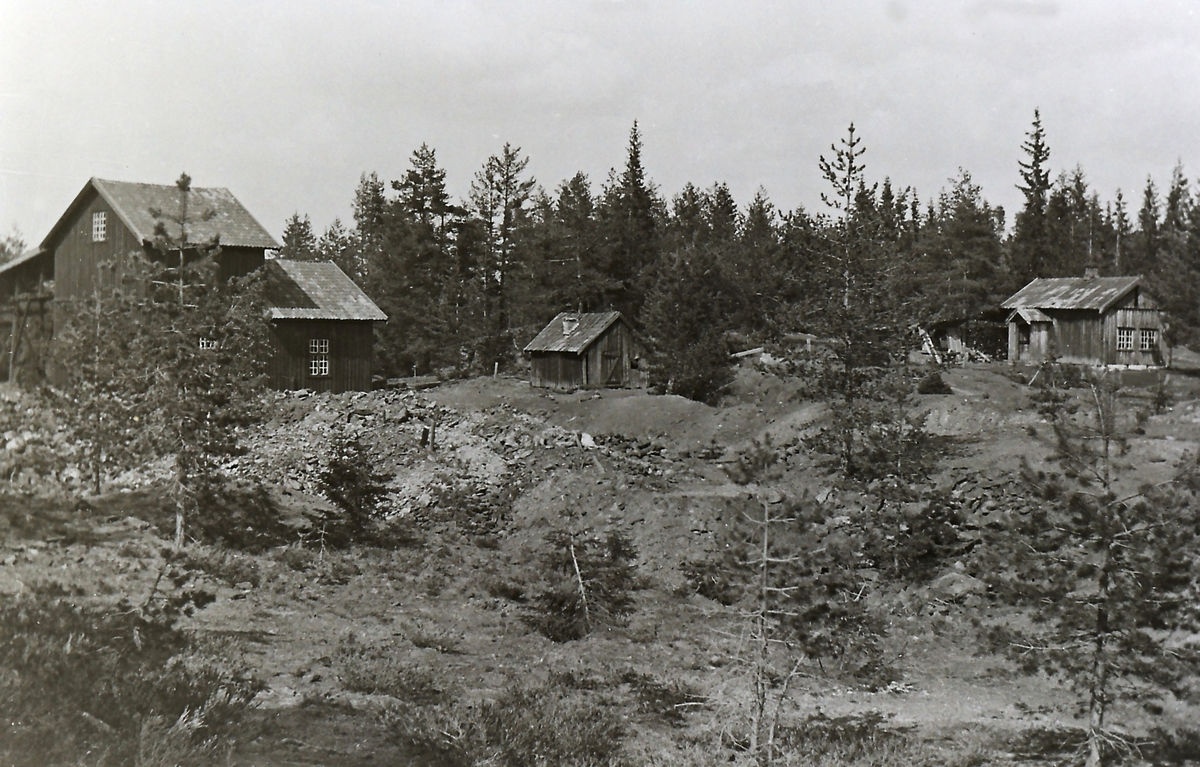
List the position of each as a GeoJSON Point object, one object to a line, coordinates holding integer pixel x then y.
{"type": "Point", "coordinates": [133, 203]}
{"type": "Point", "coordinates": [24, 258]}
{"type": "Point", "coordinates": [1092, 293]}
{"type": "Point", "coordinates": [591, 326]}
{"type": "Point", "coordinates": [316, 290]}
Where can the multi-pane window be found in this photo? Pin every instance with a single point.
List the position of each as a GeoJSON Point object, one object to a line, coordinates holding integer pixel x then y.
{"type": "Point", "coordinates": [318, 351]}
{"type": "Point", "coordinates": [208, 344]}
{"type": "Point", "coordinates": [99, 226]}
{"type": "Point", "coordinates": [1125, 339]}
{"type": "Point", "coordinates": [1149, 339]}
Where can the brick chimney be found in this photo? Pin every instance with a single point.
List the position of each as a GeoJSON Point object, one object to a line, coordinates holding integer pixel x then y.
{"type": "Point", "coordinates": [1091, 273]}
{"type": "Point", "coordinates": [569, 325]}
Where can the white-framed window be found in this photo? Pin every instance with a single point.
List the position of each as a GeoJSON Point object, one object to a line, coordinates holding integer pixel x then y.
{"type": "Point", "coordinates": [1149, 339]}
{"type": "Point", "coordinates": [208, 344]}
{"type": "Point", "coordinates": [99, 226]}
{"type": "Point", "coordinates": [1125, 339]}
{"type": "Point", "coordinates": [318, 357]}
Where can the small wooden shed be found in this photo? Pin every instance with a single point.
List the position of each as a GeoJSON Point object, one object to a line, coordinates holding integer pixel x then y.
{"type": "Point", "coordinates": [1085, 320]}
{"type": "Point", "coordinates": [584, 351]}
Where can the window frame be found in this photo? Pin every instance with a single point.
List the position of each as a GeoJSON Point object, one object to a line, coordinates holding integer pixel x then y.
{"type": "Point", "coordinates": [99, 226]}
{"type": "Point", "coordinates": [1125, 339]}
{"type": "Point", "coordinates": [318, 358]}
{"type": "Point", "coordinates": [1148, 339]}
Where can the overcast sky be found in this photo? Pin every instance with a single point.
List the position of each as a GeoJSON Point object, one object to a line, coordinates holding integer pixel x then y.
{"type": "Point", "coordinates": [286, 103]}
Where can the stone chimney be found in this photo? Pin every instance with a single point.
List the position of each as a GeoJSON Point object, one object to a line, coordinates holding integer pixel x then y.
{"type": "Point", "coordinates": [1091, 273]}
{"type": "Point", "coordinates": [570, 322]}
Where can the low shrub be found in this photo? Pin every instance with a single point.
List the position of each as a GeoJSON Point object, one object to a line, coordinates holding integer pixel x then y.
{"type": "Point", "coordinates": [236, 516]}
{"type": "Point", "coordinates": [855, 740]}
{"type": "Point", "coordinates": [226, 566]}
{"type": "Point", "coordinates": [120, 681]}
{"type": "Point", "coordinates": [379, 671]}
{"type": "Point", "coordinates": [666, 701]}
{"type": "Point", "coordinates": [503, 588]}
{"type": "Point", "coordinates": [933, 384]}
{"type": "Point", "coordinates": [712, 580]}
{"type": "Point", "coordinates": [543, 726]}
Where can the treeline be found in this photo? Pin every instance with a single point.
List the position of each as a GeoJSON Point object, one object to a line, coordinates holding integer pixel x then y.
{"type": "Point", "coordinates": [467, 282]}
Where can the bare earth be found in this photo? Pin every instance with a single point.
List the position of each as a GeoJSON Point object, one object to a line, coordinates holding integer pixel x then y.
{"type": "Point", "coordinates": [656, 472]}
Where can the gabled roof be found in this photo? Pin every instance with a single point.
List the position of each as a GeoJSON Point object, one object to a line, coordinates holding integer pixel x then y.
{"type": "Point", "coordinates": [133, 203]}
{"type": "Point", "coordinates": [1029, 314]}
{"type": "Point", "coordinates": [1094, 293]}
{"type": "Point", "coordinates": [591, 326]}
{"type": "Point", "coordinates": [316, 290]}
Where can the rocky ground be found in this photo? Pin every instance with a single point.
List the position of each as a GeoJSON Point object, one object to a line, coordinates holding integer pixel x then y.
{"type": "Point", "coordinates": [484, 469]}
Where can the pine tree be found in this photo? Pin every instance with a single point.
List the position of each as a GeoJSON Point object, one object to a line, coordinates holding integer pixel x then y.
{"type": "Point", "coordinates": [1109, 571]}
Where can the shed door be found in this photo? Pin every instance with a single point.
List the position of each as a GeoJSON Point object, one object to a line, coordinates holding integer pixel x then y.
{"type": "Point", "coordinates": [610, 359]}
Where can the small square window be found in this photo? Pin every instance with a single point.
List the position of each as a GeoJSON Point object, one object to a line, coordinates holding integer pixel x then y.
{"type": "Point", "coordinates": [208, 344]}
{"type": "Point", "coordinates": [99, 226]}
{"type": "Point", "coordinates": [1149, 339]}
{"type": "Point", "coordinates": [1125, 339]}
{"type": "Point", "coordinates": [318, 363]}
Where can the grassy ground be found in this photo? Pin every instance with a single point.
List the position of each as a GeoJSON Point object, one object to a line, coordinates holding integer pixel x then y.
{"type": "Point", "coordinates": [348, 642]}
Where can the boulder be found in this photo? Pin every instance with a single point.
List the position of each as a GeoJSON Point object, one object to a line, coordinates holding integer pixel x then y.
{"type": "Point", "coordinates": [955, 585]}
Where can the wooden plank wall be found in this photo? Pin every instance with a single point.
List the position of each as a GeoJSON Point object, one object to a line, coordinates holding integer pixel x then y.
{"type": "Point", "coordinates": [1078, 336]}
{"type": "Point", "coordinates": [553, 370]}
{"type": "Point", "coordinates": [1134, 318]}
{"type": "Point", "coordinates": [350, 355]}
{"type": "Point", "coordinates": [76, 257]}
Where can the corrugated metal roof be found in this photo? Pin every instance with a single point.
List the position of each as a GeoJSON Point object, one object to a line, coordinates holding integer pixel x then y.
{"type": "Point", "coordinates": [230, 220]}
{"type": "Point", "coordinates": [316, 290]}
{"type": "Point", "coordinates": [1094, 293]}
{"type": "Point", "coordinates": [590, 327]}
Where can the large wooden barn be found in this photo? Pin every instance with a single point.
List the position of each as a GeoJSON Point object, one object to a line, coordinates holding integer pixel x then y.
{"type": "Point", "coordinates": [584, 351]}
{"type": "Point", "coordinates": [1085, 320]}
{"type": "Point", "coordinates": [324, 327]}
{"type": "Point", "coordinates": [109, 221]}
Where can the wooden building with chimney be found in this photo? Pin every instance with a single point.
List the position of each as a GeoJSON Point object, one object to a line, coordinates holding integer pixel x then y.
{"type": "Point", "coordinates": [584, 351]}
{"type": "Point", "coordinates": [1087, 320]}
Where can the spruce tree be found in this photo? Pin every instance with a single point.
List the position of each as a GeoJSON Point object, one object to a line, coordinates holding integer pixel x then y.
{"type": "Point", "coordinates": [299, 242]}
{"type": "Point", "coordinates": [1030, 251]}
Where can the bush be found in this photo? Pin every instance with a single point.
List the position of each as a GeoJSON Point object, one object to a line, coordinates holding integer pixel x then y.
{"type": "Point", "coordinates": [544, 726]}
{"type": "Point", "coordinates": [117, 681]}
{"type": "Point", "coordinates": [377, 671]}
{"type": "Point", "coordinates": [933, 384]}
{"type": "Point", "coordinates": [701, 371]}
{"type": "Point", "coordinates": [237, 516]}
{"type": "Point", "coordinates": [591, 580]}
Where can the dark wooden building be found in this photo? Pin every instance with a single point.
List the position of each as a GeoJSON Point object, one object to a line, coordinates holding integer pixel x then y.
{"type": "Point", "coordinates": [324, 327]}
{"type": "Point", "coordinates": [1086, 320]}
{"type": "Point", "coordinates": [110, 221]}
{"type": "Point", "coordinates": [584, 351]}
